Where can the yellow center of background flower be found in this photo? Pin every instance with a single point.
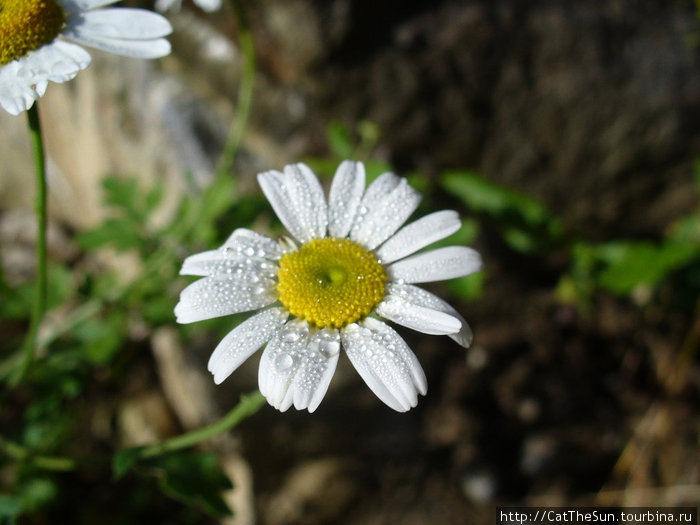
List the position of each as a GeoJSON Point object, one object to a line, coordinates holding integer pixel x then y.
{"type": "Point", "coordinates": [26, 25]}
{"type": "Point", "coordinates": [330, 282]}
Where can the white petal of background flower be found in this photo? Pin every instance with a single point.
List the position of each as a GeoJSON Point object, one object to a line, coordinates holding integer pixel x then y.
{"type": "Point", "coordinates": [436, 265]}
{"type": "Point", "coordinates": [218, 296]}
{"type": "Point", "coordinates": [241, 342]}
{"type": "Point", "coordinates": [419, 296]}
{"type": "Point", "coordinates": [120, 46]}
{"type": "Point", "coordinates": [24, 80]}
{"type": "Point", "coordinates": [73, 6]}
{"type": "Point", "coordinates": [385, 362]}
{"type": "Point", "coordinates": [419, 234]}
{"type": "Point", "coordinates": [207, 5]}
{"type": "Point", "coordinates": [59, 61]}
{"type": "Point", "coordinates": [344, 197]}
{"type": "Point", "coordinates": [386, 205]}
{"type": "Point", "coordinates": [425, 320]}
{"type": "Point", "coordinates": [308, 200]}
{"type": "Point", "coordinates": [121, 23]}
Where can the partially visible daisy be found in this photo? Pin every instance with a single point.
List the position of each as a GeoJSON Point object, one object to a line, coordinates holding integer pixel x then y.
{"type": "Point", "coordinates": [328, 289]}
{"type": "Point", "coordinates": [32, 52]}
{"type": "Point", "coordinates": [207, 5]}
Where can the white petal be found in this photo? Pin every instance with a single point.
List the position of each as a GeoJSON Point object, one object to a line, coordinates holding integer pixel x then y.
{"type": "Point", "coordinates": [419, 234]}
{"type": "Point", "coordinates": [58, 61]}
{"type": "Point", "coordinates": [436, 265]}
{"type": "Point", "coordinates": [218, 296]}
{"type": "Point", "coordinates": [244, 252]}
{"type": "Point", "coordinates": [273, 186]}
{"type": "Point", "coordinates": [249, 243]}
{"type": "Point", "coordinates": [121, 23]}
{"type": "Point", "coordinates": [241, 342]}
{"type": "Point", "coordinates": [344, 198]}
{"type": "Point", "coordinates": [425, 320]}
{"type": "Point", "coordinates": [23, 81]}
{"type": "Point", "coordinates": [166, 5]}
{"type": "Point", "coordinates": [17, 93]}
{"type": "Point", "coordinates": [308, 197]}
{"type": "Point", "coordinates": [155, 48]}
{"type": "Point", "coordinates": [386, 205]}
{"type": "Point", "coordinates": [297, 198]}
{"type": "Point", "coordinates": [417, 296]}
{"type": "Point", "coordinates": [209, 5]}
{"type": "Point", "coordinates": [385, 362]}
{"type": "Point", "coordinates": [296, 368]}
{"type": "Point", "coordinates": [73, 6]}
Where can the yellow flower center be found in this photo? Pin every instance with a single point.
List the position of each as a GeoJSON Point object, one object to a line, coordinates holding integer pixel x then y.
{"type": "Point", "coordinates": [26, 25]}
{"type": "Point", "coordinates": [330, 282]}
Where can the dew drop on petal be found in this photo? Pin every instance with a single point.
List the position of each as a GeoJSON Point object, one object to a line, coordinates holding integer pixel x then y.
{"type": "Point", "coordinates": [283, 362]}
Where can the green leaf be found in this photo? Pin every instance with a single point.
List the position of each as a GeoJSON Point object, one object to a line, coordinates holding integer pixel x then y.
{"type": "Point", "coordinates": [121, 192]}
{"type": "Point", "coordinates": [124, 460]}
{"type": "Point", "coordinates": [193, 478]}
{"type": "Point", "coordinates": [467, 288]}
{"type": "Point", "coordinates": [629, 264]}
{"type": "Point", "coordinates": [340, 140]}
{"type": "Point", "coordinates": [526, 225]}
{"type": "Point", "coordinates": [121, 234]}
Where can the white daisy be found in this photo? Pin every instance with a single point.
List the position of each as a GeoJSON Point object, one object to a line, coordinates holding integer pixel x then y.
{"type": "Point", "coordinates": [32, 52]}
{"type": "Point", "coordinates": [329, 287]}
{"type": "Point", "coordinates": [207, 5]}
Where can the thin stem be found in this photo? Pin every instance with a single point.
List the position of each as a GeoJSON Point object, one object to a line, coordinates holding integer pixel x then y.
{"type": "Point", "coordinates": [247, 406]}
{"type": "Point", "coordinates": [30, 343]}
{"type": "Point", "coordinates": [245, 92]}
{"type": "Point", "coordinates": [18, 452]}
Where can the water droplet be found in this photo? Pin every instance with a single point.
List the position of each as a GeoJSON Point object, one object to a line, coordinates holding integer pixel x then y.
{"type": "Point", "coordinates": [249, 251]}
{"type": "Point", "coordinates": [291, 336]}
{"type": "Point", "coordinates": [283, 362]}
{"type": "Point", "coordinates": [329, 348]}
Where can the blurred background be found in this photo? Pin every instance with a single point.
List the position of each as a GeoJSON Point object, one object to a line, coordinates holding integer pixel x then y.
{"type": "Point", "coordinates": [567, 135]}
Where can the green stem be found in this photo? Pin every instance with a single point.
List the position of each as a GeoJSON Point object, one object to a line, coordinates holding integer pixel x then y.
{"type": "Point", "coordinates": [245, 92]}
{"type": "Point", "coordinates": [247, 406]}
{"type": "Point", "coordinates": [30, 343]}
{"type": "Point", "coordinates": [20, 453]}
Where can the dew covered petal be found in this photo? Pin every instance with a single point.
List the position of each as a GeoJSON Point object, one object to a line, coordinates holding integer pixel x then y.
{"type": "Point", "coordinates": [385, 206]}
{"type": "Point", "coordinates": [419, 234]}
{"type": "Point", "coordinates": [344, 198]}
{"type": "Point", "coordinates": [309, 201]}
{"type": "Point", "coordinates": [436, 265]}
{"type": "Point", "coordinates": [385, 362]}
{"type": "Point", "coordinates": [241, 342]}
{"type": "Point", "coordinates": [420, 297]}
{"type": "Point", "coordinates": [416, 317]}
{"type": "Point", "coordinates": [297, 366]}
{"type": "Point", "coordinates": [217, 296]}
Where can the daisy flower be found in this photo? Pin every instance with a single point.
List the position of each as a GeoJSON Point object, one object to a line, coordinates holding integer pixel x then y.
{"type": "Point", "coordinates": [207, 5]}
{"type": "Point", "coordinates": [33, 51]}
{"type": "Point", "coordinates": [349, 267]}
